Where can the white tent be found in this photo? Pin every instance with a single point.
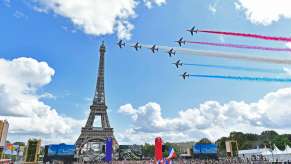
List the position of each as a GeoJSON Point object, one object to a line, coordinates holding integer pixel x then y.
{"type": "Point", "coordinates": [277, 151]}
{"type": "Point", "coordinates": [266, 152]}
{"type": "Point", "coordinates": [251, 151]}
{"type": "Point", "coordinates": [287, 150]}
{"type": "Point", "coordinates": [269, 154]}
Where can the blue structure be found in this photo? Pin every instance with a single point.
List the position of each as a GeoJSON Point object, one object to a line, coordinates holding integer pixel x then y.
{"type": "Point", "coordinates": [60, 152]}
{"type": "Point", "coordinates": [205, 151]}
{"type": "Point", "coordinates": [108, 157]}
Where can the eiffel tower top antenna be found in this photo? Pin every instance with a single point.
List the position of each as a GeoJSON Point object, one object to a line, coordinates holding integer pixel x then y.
{"type": "Point", "coordinates": [99, 97]}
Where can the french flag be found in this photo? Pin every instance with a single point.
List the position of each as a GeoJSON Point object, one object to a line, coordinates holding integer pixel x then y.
{"type": "Point", "coordinates": [172, 154]}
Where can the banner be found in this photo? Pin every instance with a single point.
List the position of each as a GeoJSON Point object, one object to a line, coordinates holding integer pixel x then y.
{"type": "Point", "coordinates": [228, 146]}
{"type": "Point", "coordinates": [108, 150]}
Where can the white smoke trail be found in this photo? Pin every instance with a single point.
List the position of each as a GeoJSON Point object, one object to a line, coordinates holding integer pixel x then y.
{"type": "Point", "coordinates": [225, 55]}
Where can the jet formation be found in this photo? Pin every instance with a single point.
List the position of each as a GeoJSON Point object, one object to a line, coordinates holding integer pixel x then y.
{"type": "Point", "coordinates": [172, 52]}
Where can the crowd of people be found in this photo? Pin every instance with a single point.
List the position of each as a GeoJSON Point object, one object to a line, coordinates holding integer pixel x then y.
{"type": "Point", "coordinates": [198, 161]}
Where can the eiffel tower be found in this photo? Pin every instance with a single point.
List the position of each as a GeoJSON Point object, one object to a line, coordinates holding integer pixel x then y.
{"type": "Point", "coordinates": [98, 108]}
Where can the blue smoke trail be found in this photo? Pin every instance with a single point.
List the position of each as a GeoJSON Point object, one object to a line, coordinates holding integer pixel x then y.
{"type": "Point", "coordinates": [237, 68]}
{"type": "Point", "coordinates": [246, 78]}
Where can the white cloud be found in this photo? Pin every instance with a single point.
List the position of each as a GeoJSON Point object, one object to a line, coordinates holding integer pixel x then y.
{"type": "Point", "coordinates": [149, 3]}
{"type": "Point", "coordinates": [19, 15]}
{"type": "Point", "coordinates": [237, 6]}
{"type": "Point", "coordinates": [6, 3]}
{"type": "Point", "coordinates": [212, 8]}
{"type": "Point", "coordinates": [264, 12]}
{"type": "Point", "coordinates": [47, 95]}
{"type": "Point", "coordinates": [20, 104]}
{"type": "Point", "coordinates": [97, 17]}
{"type": "Point", "coordinates": [124, 29]}
{"type": "Point", "coordinates": [210, 119]}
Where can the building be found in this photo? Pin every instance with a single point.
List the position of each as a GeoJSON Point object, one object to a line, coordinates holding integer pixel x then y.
{"type": "Point", "coordinates": [32, 151]}
{"type": "Point", "coordinates": [4, 125]}
{"type": "Point", "coordinates": [183, 147]}
{"type": "Point", "coordinates": [3, 132]}
{"type": "Point", "coordinates": [59, 152]}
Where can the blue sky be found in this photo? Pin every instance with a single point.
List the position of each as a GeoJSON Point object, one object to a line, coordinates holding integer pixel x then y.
{"type": "Point", "coordinates": [138, 78]}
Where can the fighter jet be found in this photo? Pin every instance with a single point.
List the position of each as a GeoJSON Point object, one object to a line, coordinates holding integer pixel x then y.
{"type": "Point", "coordinates": [154, 48]}
{"type": "Point", "coordinates": [172, 52]}
{"type": "Point", "coordinates": [184, 75]}
{"type": "Point", "coordinates": [121, 44]}
{"type": "Point", "coordinates": [136, 46]}
{"type": "Point", "coordinates": [178, 63]}
{"type": "Point", "coordinates": [192, 30]}
{"type": "Point", "coordinates": [181, 41]}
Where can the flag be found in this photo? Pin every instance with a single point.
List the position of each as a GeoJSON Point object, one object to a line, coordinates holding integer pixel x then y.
{"type": "Point", "coordinates": [172, 154]}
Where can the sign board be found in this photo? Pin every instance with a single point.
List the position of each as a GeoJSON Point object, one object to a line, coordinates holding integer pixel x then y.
{"type": "Point", "coordinates": [61, 150]}
{"type": "Point", "coordinates": [205, 149]}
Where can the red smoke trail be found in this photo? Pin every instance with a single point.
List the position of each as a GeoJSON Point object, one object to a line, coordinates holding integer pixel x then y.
{"type": "Point", "coordinates": [283, 39]}
{"type": "Point", "coordinates": [243, 46]}
{"type": "Point", "coordinates": [246, 78]}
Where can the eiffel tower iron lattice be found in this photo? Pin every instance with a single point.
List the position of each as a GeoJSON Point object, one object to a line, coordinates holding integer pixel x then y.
{"type": "Point", "coordinates": [89, 133]}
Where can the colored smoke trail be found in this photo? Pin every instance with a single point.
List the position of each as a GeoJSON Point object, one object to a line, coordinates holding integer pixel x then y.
{"type": "Point", "coordinates": [236, 56]}
{"type": "Point", "coordinates": [225, 55]}
{"type": "Point", "coordinates": [283, 39]}
{"type": "Point", "coordinates": [243, 46]}
{"type": "Point", "coordinates": [237, 68]}
{"type": "Point", "coordinates": [245, 78]}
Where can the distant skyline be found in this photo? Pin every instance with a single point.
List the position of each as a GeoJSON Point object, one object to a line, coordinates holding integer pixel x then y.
{"type": "Point", "coordinates": [49, 61]}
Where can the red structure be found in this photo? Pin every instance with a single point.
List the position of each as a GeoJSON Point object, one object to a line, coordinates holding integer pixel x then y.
{"type": "Point", "coordinates": [158, 149]}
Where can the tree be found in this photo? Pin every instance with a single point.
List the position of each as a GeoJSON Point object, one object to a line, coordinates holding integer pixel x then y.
{"type": "Point", "coordinates": [19, 143]}
{"type": "Point", "coordinates": [148, 150]}
{"type": "Point", "coordinates": [288, 136]}
{"type": "Point", "coordinates": [221, 146]}
{"type": "Point", "coordinates": [280, 141]}
{"type": "Point", "coordinates": [251, 141]}
{"type": "Point", "coordinates": [269, 134]}
{"type": "Point", "coordinates": [167, 146]}
{"type": "Point", "coordinates": [204, 141]}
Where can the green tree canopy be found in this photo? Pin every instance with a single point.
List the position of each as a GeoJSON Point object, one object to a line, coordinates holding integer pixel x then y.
{"type": "Point", "coordinates": [19, 143]}
{"type": "Point", "coordinates": [204, 141]}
